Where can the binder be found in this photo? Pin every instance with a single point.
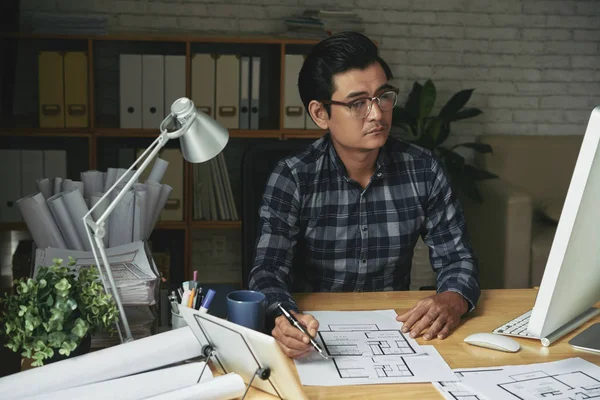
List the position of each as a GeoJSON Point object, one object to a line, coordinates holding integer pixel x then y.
{"type": "Point", "coordinates": [203, 83]}
{"type": "Point", "coordinates": [244, 93]}
{"type": "Point", "coordinates": [174, 81]}
{"type": "Point", "coordinates": [227, 97]}
{"type": "Point", "coordinates": [130, 85]}
{"type": "Point", "coordinates": [55, 164]}
{"type": "Point", "coordinates": [76, 90]}
{"type": "Point", "coordinates": [153, 90]}
{"type": "Point", "coordinates": [51, 90]}
{"type": "Point", "coordinates": [293, 110]}
{"type": "Point", "coordinates": [32, 168]}
{"type": "Point", "coordinates": [255, 93]}
{"type": "Point", "coordinates": [10, 173]}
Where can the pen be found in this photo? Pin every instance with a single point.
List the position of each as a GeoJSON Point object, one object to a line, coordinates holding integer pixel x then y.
{"type": "Point", "coordinates": [298, 325]}
{"type": "Point", "coordinates": [207, 300]}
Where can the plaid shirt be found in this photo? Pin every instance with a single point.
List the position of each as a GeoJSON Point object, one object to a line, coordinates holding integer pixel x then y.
{"type": "Point", "coordinates": [321, 231]}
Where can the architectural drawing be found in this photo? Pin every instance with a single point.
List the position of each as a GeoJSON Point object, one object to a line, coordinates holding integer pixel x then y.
{"type": "Point", "coordinates": [573, 386]}
{"type": "Point", "coordinates": [364, 340]}
{"type": "Point", "coordinates": [374, 367]}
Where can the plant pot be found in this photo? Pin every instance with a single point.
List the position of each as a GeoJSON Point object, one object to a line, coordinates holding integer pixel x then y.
{"type": "Point", "coordinates": [83, 348]}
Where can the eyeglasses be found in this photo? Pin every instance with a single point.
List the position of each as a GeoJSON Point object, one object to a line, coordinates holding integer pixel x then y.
{"type": "Point", "coordinates": [360, 108]}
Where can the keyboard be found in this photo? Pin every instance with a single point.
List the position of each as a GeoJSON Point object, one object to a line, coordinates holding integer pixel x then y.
{"type": "Point", "coordinates": [516, 327]}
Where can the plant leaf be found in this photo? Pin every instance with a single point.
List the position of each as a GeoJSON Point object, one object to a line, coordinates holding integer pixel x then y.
{"type": "Point", "coordinates": [465, 113]}
{"type": "Point", "coordinates": [478, 147]}
{"type": "Point", "coordinates": [477, 174]}
{"type": "Point", "coordinates": [427, 101]}
{"type": "Point", "coordinates": [456, 102]}
{"type": "Point", "coordinates": [413, 101]}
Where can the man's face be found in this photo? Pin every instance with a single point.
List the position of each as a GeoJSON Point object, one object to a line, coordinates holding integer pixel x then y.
{"type": "Point", "coordinates": [363, 134]}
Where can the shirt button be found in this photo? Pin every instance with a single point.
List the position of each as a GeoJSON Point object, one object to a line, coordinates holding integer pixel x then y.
{"type": "Point", "coordinates": [364, 228]}
{"type": "Point", "coordinates": [364, 260]}
{"type": "Point", "coordinates": [379, 175]}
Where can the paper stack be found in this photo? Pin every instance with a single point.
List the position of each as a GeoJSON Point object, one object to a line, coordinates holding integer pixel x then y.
{"type": "Point", "coordinates": [54, 216]}
{"type": "Point", "coordinates": [213, 196]}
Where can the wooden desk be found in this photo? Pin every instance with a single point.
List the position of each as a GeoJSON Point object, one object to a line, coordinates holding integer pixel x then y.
{"type": "Point", "coordinates": [494, 308]}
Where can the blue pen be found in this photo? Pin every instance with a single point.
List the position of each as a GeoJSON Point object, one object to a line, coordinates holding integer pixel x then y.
{"type": "Point", "coordinates": [207, 300]}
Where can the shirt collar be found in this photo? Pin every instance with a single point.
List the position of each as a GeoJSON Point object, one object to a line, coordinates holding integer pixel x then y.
{"type": "Point", "coordinates": [381, 163]}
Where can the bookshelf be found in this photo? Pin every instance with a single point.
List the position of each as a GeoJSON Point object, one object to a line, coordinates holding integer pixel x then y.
{"type": "Point", "coordinates": [85, 145]}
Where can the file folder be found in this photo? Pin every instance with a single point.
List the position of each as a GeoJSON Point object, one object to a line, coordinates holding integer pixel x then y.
{"type": "Point", "coordinates": [130, 85]}
{"type": "Point", "coordinates": [32, 168]}
{"type": "Point", "coordinates": [76, 90]}
{"type": "Point", "coordinates": [174, 81]}
{"type": "Point", "coordinates": [255, 93]}
{"type": "Point", "coordinates": [293, 109]}
{"type": "Point", "coordinates": [55, 164]}
{"type": "Point", "coordinates": [51, 90]}
{"type": "Point", "coordinates": [203, 83]}
{"type": "Point", "coordinates": [153, 90]}
{"type": "Point", "coordinates": [228, 91]}
{"type": "Point", "coordinates": [10, 173]}
{"type": "Point", "coordinates": [244, 93]}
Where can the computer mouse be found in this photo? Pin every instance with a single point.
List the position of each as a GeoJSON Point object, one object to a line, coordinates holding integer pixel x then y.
{"type": "Point", "coordinates": [493, 341]}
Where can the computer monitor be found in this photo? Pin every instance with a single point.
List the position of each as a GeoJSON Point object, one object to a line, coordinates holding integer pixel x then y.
{"type": "Point", "coordinates": [571, 283]}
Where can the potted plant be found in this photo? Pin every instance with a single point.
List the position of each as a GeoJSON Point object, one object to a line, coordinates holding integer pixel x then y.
{"type": "Point", "coordinates": [431, 131]}
{"type": "Point", "coordinates": [54, 314]}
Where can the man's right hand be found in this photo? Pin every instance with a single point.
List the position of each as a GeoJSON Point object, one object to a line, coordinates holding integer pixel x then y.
{"type": "Point", "coordinates": [292, 341]}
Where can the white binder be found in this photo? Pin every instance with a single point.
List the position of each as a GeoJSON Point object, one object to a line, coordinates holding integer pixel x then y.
{"type": "Point", "coordinates": [255, 93]}
{"type": "Point", "coordinates": [153, 90]}
{"type": "Point", "coordinates": [245, 92]}
{"type": "Point", "coordinates": [130, 85]}
{"type": "Point", "coordinates": [174, 81]}
{"type": "Point", "coordinates": [203, 83]}
{"type": "Point", "coordinates": [55, 164]}
{"type": "Point", "coordinates": [10, 173]}
{"type": "Point", "coordinates": [293, 109]}
{"type": "Point", "coordinates": [32, 168]}
{"type": "Point", "coordinates": [228, 91]}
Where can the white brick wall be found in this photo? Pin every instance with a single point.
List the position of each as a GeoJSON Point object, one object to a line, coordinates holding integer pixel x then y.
{"type": "Point", "coordinates": [535, 65]}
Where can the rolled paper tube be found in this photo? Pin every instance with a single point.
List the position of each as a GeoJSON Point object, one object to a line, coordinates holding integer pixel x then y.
{"type": "Point", "coordinates": [140, 192]}
{"type": "Point", "coordinates": [97, 212]}
{"type": "Point", "coordinates": [44, 186]}
{"type": "Point", "coordinates": [39, 221]}
{"type": "Point", "coordinates": [165, 192]}
{"type": "Point", "coordinates": [65, 222]}
{"type": "Point", "coordinates": [111, 178]}
{"type": "Point", "coordinates": [158, 170]}
{"type": "Point", "coordinates": [57, 185]}
{"type": "Point", "coordinates": [77, 209]}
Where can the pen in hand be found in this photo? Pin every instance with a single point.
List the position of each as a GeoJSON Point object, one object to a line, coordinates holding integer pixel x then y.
{"type": "Point", "coordinates": [301, 327]}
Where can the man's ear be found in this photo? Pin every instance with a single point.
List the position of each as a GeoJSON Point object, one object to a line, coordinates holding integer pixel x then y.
{"type": "Point", "coordinates": [318, 114]}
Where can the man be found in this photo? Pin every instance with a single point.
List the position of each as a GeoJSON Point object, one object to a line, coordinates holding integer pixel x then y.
{"type": "Point", "coordinates": [346, 214]}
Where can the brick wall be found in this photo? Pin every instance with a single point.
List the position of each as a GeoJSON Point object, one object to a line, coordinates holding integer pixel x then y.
{"type": "Point", "coordinates": [535, 65]}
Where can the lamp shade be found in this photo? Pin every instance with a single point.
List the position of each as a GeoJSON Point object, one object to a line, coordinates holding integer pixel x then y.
{"type": "Point", "coordinates": [204, 138]}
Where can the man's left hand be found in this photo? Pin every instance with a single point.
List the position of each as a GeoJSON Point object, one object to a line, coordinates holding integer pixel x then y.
{"type": "Point", "coordinates": [440, 313]}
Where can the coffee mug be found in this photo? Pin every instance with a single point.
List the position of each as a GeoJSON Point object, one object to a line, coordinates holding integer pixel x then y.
{"type": "Point", "coordinates": [247, 308]}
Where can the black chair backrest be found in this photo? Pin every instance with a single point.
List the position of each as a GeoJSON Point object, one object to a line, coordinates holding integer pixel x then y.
{"type": "Point", "coordinates": [257, 165]}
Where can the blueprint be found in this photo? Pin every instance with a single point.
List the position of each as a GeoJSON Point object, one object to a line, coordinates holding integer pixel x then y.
{"type": "Point", "coordinates": [366, 347]}
{"type": "Point", "coordinates": [569, 379]}
{"type": "Point", "coordinates": [456, 390]}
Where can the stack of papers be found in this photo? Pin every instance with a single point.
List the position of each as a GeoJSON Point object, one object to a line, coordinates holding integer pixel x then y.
{"type": "Point", "coordinates": [573, 378]}
{"type": "Point", "coordinates": [141, 322]}
{"type": "Point", "coordinates": [368, 347]}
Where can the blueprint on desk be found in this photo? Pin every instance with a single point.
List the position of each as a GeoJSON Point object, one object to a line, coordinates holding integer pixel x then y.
{"type": "Point", "coordinates": [569, 379]}
{"type": "Point", "coordinates": [366, 347]}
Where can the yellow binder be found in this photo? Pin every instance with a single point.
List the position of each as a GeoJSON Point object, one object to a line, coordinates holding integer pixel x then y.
{"type": "Point", "coordinates": [76, 89]}
{"type": "Point", "coordinates": [51, 87]}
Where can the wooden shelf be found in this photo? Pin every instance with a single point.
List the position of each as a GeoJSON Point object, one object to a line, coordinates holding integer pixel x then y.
{"type": "Point", "coordinates": [301, 133]}
{"type": "Point", "coordinates": [166, 225]}
{"type": "Point", "coordinates": [127, 132]}
{"type": "Point", "coordinates": [46, 132]}
{"type": "Point", "coordinates": [216, 224]}
{"type": "Point", "coordinates": [13, 226]}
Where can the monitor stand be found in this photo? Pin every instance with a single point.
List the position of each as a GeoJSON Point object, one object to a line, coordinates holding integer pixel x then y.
{"type": "Point", "coordinates": [588, 340]}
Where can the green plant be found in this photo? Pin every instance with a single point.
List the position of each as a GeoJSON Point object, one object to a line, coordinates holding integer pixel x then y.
{"type": "Point", "coordinates": [431, 132]}
{"type": "Point", "coordinates": [55, 311]}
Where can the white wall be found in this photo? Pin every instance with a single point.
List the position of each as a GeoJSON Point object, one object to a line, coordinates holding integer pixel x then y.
{"type": "Point", "coordinates": [535, 65]}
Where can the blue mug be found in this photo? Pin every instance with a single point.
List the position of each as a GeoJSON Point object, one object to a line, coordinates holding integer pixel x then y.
{"type": "Point", "coordinates": [247, 308]}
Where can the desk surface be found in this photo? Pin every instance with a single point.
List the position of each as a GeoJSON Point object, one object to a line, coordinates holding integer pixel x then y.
{"type": "Point", "coordinates": [494, 308]}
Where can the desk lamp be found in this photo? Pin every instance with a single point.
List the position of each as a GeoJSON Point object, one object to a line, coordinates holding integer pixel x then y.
{"type": "Point", "coordinates": [201, 139]}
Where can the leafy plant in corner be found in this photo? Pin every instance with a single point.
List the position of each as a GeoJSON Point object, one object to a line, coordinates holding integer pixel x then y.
{"type": "Point", "coordinates": [55, 311]}
{"type": "Point", "coordinates": [431, 132]}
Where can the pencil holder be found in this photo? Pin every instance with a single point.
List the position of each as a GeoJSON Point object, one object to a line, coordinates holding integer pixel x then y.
{"type": "Point", "coordinates": [177, 321]}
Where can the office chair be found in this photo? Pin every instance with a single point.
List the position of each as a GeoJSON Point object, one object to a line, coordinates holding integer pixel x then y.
{"type": "Point", "coordinates": [257, 164]}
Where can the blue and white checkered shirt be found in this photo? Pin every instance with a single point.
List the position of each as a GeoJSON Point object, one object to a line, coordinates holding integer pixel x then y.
{"type": "Point", "coordinates": [321, 231]}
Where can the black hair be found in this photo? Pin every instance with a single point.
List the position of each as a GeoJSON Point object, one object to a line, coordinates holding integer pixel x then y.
{"type": "Point", "coordinates": [335, 55]}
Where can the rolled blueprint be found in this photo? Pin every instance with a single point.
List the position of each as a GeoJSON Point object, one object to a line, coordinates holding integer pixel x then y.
{"type": "Point", "coordinates": [125, 359]}
{"type": "Point", "coordinates": [111, 178]}
{"type": "Point", "coordinates": [121, 219]}
{"type": "Point", "coordinates": [44, 186]}
{"type": "Point", "coordinates": [57, 185]}
{"type": "Point", "coordinates": [97, 213]}
{"type": "Point", "coordinates": [65, 222]}
{"type": "Point", "coordinates": [224, 387]}
{"type": "Point", "coordinates": [140, 192]}
{"type": "Point", "coordinates": [40, 222]}
{"type": "Point", "coordinates": [165, 192]}
{"type": "Point", "coordinates": [158, 170]}
{"type": "Point", "coordinates": [75, 203]}
{"type": "Point", "coordinates": [152, 197]}
{"type": "Point", "coordinates": [134, 387]}
{"type": "Point", "coordinates": [69, 184]}
{"type": "Point", "coordinates": [92, 183]}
